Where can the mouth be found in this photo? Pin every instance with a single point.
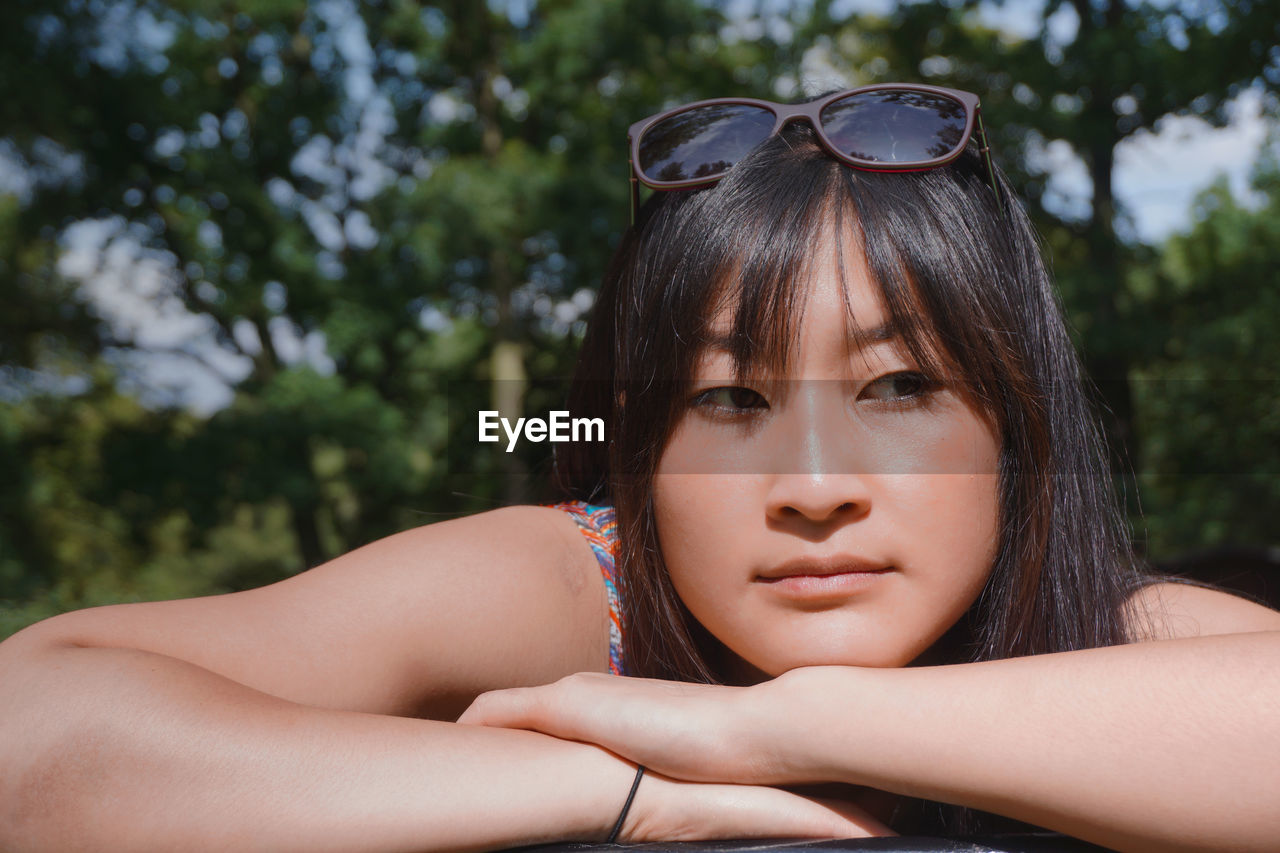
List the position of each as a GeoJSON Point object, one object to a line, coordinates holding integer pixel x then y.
{"type": "Point", "coordinates": [820, 579]}
{"type": "Point", "coordinates": [822, 568]}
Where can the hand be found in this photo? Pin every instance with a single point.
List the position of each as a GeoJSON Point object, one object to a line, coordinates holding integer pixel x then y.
{"type": "Point", "coordinates": [669, 810]}
{"type": "Point", "coordinates": [698, 732]}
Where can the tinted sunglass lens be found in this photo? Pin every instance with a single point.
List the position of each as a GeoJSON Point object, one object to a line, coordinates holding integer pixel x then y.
{"type": "Point", "coordinates": [895, 126]}
{"type": "Point", "coordinates": [703, 142]}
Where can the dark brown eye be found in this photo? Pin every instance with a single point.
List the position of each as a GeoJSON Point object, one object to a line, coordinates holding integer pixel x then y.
{"type": "Point", "coordinates": [897, 387]}
{"type": "Point", "coordinates": [731, 399]}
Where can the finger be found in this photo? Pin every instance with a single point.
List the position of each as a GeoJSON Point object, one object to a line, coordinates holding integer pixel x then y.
{"type": "Point", "coordinates": [512, 708]}
{"type": "Point", "coordinates": [542, 709]}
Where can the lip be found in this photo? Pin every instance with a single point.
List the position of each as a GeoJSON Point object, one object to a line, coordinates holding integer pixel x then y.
{"type": "Point", "coordinates": [828, 577]}
{"type": "Point", "coordinates": [823, 567]}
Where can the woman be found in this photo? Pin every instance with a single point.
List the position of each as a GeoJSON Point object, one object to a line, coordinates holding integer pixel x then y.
{"type": "Point", "coordinates": [855, 482]}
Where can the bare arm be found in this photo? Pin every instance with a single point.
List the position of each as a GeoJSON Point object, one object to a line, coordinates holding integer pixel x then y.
{"type": "Point", "coordinates": [130, 750]}
{"type": "Point", "coordinates": [261, 719]}
{"type": "Point", "coordinates": [264, 720]}
{"type": "Point", "coordinates": [150, 753]}
{"type": "Point", "coordinates": [415, 624]}
{"type": "Point", "coordinates": [1169, 744]}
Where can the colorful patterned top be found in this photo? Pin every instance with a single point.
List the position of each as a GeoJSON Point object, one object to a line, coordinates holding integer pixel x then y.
{"type": "Point", "coordinates": [599, 526]}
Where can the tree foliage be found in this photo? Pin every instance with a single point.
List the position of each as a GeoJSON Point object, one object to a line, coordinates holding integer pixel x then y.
{"type": "Point", "coordinates": [352, 217]}
{"type": "Point", "coordinates": [352, 207]}
{"type": "Point", "coordinates": [1209, 398]}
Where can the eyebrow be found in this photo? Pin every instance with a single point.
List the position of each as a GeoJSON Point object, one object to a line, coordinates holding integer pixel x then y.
{"type": "Point", "coordinates": [858, 337]}
{"type": "Point", "coordinates": [886, 331]}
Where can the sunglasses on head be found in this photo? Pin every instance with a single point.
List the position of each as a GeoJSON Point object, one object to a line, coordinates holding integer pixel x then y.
{"type": "Point", "coordinates": [889, 127]}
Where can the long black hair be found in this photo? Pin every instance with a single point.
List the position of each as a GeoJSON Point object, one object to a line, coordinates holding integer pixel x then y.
{"type": "Point", "coordinates": [964, 283]}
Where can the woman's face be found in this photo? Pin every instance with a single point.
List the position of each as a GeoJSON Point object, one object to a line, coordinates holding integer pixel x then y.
{"type": "Point", "coordinates": [843, 513]}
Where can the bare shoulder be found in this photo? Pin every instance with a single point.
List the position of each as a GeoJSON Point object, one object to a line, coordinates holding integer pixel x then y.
{"type": "Point", "coordinates": [417, 623]}
{"type": "Point", "coordinates": [1172, 610]}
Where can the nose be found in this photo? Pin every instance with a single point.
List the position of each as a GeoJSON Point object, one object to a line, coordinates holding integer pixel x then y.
{"type": "Point", "coordinates": [817, 498]}
{"type": "Point", "coordinates": [820, 476]}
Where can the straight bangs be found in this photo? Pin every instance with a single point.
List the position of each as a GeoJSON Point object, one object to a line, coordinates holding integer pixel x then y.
{"type": "Point", "coordinates": [762, 232]}
{"type": "Point", "coordinates": [749, 260]}
{"type": "Point", "coordinates": [749, 249]}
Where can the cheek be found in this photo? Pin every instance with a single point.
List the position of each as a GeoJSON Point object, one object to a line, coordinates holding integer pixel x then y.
{"type": "Point", "coordinates": [955, 511]}
{"type": "Point", "coordinates": [694, 512]}
{"type": "Point", "coordinates": [957, 548]}
{"type": "Point", "coordinates": [956, 517]}
{"type": "Point", "coordinates": [708, 541]}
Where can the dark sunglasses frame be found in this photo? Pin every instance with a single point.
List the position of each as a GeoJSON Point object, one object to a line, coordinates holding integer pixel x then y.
{"type": "Point", "coordinates": [811, 112]}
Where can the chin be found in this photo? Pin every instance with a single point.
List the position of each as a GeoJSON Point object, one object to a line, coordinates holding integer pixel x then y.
{"type": "Point", "coordinates": [877, 656]}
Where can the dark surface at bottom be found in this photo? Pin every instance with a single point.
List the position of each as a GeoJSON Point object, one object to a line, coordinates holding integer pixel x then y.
{"type": "Point", "coordinates": [1022, 843]}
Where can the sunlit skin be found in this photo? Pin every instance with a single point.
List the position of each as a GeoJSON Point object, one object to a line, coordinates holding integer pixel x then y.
{"type": "Point", "coordinates": [852, 460]}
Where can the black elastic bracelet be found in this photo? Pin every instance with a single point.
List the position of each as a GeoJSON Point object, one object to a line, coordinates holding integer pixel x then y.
{"type": "Point", "coordinates": [626, 807]}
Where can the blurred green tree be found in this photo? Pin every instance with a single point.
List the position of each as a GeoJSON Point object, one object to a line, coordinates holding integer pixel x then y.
{"type": "Point", "coordinates": [348, 217]}
{"type": "Point", "coordinates": [354, 214]}
{"type": "Point", "coordinates": [1209, 399]}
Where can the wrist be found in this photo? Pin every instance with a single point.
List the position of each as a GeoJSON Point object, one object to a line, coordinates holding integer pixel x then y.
{"type": "Point", "coordinates": [616, 832]}
{"type": "Point", "coordinates": [554, 790]}
{"type": "Point", "coordinates": [604, 796]}
{"type": "Point", "coordinates": [816, 708]}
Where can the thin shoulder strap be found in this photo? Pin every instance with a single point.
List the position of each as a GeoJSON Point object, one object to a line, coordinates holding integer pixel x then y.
{"type": "Point", "coordinates": [599, 526]}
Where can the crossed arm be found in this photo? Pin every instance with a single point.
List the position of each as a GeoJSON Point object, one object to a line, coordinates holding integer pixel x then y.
{"type": "Point", "coordinates": [290, 717]}
{"type": "Point", "coordinates": [287, 718]}
{"type": "Point", "coordinates": [1172, 744]}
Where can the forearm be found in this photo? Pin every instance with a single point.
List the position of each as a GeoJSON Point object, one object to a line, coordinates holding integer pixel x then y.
{"type": "Point", "coordinates": [121, 749]}
{"type": "Point", "coordinates": [1174, 743]}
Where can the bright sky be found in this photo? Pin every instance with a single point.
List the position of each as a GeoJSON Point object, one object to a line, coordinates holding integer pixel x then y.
{"type": "Point", "coordinates": [1157, 176]}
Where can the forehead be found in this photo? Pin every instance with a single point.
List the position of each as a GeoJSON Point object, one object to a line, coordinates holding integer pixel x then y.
{"type": "Point", "coordinates": [834, 276]}
{"type": "Point", "coordinates": [833, 292]}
